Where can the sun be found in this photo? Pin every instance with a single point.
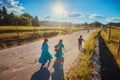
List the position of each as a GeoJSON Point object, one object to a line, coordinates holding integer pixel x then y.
{"type": "Point", "coordinates": [59, 10]}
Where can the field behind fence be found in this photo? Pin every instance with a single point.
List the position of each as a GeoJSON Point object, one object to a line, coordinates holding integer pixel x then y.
{"type": "Point", "coordinates": [17, 35]}
{"type": "Point", "coordinates": [112, 38]}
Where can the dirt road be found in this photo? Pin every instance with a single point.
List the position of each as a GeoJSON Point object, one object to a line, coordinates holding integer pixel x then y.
{"type": "Point", "coordinates": [21, 63]}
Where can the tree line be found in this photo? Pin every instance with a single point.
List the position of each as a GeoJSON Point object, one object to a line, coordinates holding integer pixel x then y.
{"type": "Point", "coordinates": [10, 19]}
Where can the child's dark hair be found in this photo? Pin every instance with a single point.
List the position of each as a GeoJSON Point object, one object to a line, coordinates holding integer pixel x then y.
{"type": "Point", "coordinates": [80, 35]}
{"type": "Point", "coordinates": [45, 40]}
{"type": "Point", "coordinates": [60, 41]}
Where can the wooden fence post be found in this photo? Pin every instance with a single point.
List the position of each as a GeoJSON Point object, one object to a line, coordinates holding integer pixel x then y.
{"type": "Point", "coordinates": [34, 30]}
{"type": "Point", "coordinates": [17, 30]}
{"type": "Point", "coordinates": [110, 32]}
{"type": "Point", "coordinates": [119, 47]}
{"type": "Point", "coordinates": [54, 29]}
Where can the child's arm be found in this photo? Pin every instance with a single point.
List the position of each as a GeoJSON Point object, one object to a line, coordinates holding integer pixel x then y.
{"type": "Point", "coordinates": [83, 40]}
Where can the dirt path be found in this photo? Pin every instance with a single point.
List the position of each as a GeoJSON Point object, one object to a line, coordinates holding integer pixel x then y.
{"type": "Point", "coordinates": [21, 63]}
{"type": "Point", "coordinates": [109, 67]}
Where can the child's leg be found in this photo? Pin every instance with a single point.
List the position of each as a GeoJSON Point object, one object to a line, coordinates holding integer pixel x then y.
{"type": "Point", "coordinates": [42, 66]}
{"type": "Point", "coordinates": [79, 46]}
{"type": "Point", "coordinates": [48, 63]}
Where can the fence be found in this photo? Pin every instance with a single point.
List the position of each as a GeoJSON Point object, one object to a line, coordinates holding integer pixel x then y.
{"type": "Point", "coordinates": [114, 35]}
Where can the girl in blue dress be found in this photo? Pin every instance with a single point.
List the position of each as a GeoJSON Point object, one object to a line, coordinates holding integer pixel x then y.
{"type": "Point", "coordinates": [45, 55]}
{"type": "Point", "coordinates": [59, 48]}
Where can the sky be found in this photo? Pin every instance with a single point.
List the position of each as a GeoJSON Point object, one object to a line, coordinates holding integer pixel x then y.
{"type": "Point", "coordinates": [75, 11]}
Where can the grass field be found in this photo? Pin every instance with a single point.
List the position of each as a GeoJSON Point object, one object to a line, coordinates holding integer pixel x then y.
{"type": "Point", "coordinates": [9, 34]}
{"type": "Point", "coordinates": [112, 42]}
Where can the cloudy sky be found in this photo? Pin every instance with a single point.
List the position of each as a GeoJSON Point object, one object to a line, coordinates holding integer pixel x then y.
{"type": "Point", "coordinates": [76, 11]}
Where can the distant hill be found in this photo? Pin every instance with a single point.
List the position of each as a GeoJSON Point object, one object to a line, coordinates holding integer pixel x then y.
{"type": "Point", "coordinates": [114, 24]}
{"type": "Point", "coordinates": [52, 24]}
{"type": "Point", "coordinates": [68, 24]}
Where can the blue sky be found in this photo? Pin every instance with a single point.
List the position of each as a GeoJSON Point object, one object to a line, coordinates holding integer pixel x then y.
{"type": "Point", "coordinates": [75, 11]}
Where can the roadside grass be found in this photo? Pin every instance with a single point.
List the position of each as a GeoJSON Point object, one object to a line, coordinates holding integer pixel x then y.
{"type": "Point", "coordinates": [112, 43]}
{"type": "Point", "coordinates": [81, 69]}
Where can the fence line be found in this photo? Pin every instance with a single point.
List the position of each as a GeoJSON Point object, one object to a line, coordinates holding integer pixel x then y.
{"type": "Point", "coordinates": [114, 35]}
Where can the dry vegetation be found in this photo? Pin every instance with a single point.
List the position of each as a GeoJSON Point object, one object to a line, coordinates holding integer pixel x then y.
{"type": "Point", "coordinates": [112, 43]}
{"type": "Point", "coordinates": [17, 35]}
{"type": "Point", "coordinates": [81, 69]}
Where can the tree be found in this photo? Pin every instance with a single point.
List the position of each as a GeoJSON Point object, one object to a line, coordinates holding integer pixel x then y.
{"type": "Point", "coordinates": [35, 21]}
{"type": "Point", "coordinates": [26, 15]}
{"type": "Point", "coordinates": [4, 16]}
{"type": "Point", "coordinates": [1, 17]}
{"type": "Point", "coordinates": [0, 14]}
{"type": "Point", "coordinates": [24, 21]}
{"type": "Point", "coordinates": [4, 12]}
{"type": "Point", "coordinates": [86, 24]}
{"type": "Point", "coordinates": [13, 19]}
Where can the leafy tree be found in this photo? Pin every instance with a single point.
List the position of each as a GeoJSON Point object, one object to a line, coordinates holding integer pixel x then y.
{"type": "Point", "coordinates": [26, 15]}
{"type": "Point", "coordinates": [13, 19]}
{"type": "Point", "coordinates": [24, 21]}
{"type": "Point", "coordinates": [35, 21]}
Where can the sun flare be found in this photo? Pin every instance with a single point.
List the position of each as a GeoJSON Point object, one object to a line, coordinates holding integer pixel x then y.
{"type": "Point", "coordinates": [59, 10]}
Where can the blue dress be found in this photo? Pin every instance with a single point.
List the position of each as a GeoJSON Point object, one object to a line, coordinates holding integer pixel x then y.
{"type": "Point", "coordinates": [45, 55]}
{"type": "Point", "coordinates": [59, 52]}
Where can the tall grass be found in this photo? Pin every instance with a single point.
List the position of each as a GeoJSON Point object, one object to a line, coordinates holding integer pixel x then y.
{"type": "Point", "coordinates": [112, 43]}
{"type": "Point", "coordinates": [81, 69]}
{"type": "Point", "coordinates": [9, 32]}
{"type": "Point", "coordinates": [18, 35]}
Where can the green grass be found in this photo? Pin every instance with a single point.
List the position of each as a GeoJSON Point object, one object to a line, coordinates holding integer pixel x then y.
{"type": "Point", "coordinates": [81, 70]}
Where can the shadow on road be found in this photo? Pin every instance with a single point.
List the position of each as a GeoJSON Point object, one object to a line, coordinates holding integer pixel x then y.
{"type": "Point", "coordinates": [42, 74]}
{"type": "Point", "coordinates": [109, 67]}
{"type": "Point", "coordinates": [58, 73]}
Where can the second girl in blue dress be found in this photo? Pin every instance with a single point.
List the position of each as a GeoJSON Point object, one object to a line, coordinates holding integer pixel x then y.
{"type": "Point", "coordinates": [59, 48]}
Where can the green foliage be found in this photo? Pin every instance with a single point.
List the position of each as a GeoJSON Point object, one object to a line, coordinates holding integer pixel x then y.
{"type": "Point", "coordinates": [35, 21]}
{"type": "Point", "coordinates": [12, 20]}
{"type": "Point", "coordinates": [24, 21]}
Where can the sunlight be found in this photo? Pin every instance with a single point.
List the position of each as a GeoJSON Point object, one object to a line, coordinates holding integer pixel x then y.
{"type": "Point", "coordinates": [59, 10]}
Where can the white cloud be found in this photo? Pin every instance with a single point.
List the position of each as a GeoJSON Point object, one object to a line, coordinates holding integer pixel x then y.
{"type": "Point", "coordinates": [94, 16]}
{"type": "Point", "coordinates": [47, 17]}
{"type": "Point", "coordinates": [77, 15]}
{"type": "Point", "coordinates": [72, 15]}
{"type": "Point", "coordinates": [80, 15]}
{"type": "Point", "coordinates": [113, 19]}
{"type": "Point", "coordinates": [13, 6]}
